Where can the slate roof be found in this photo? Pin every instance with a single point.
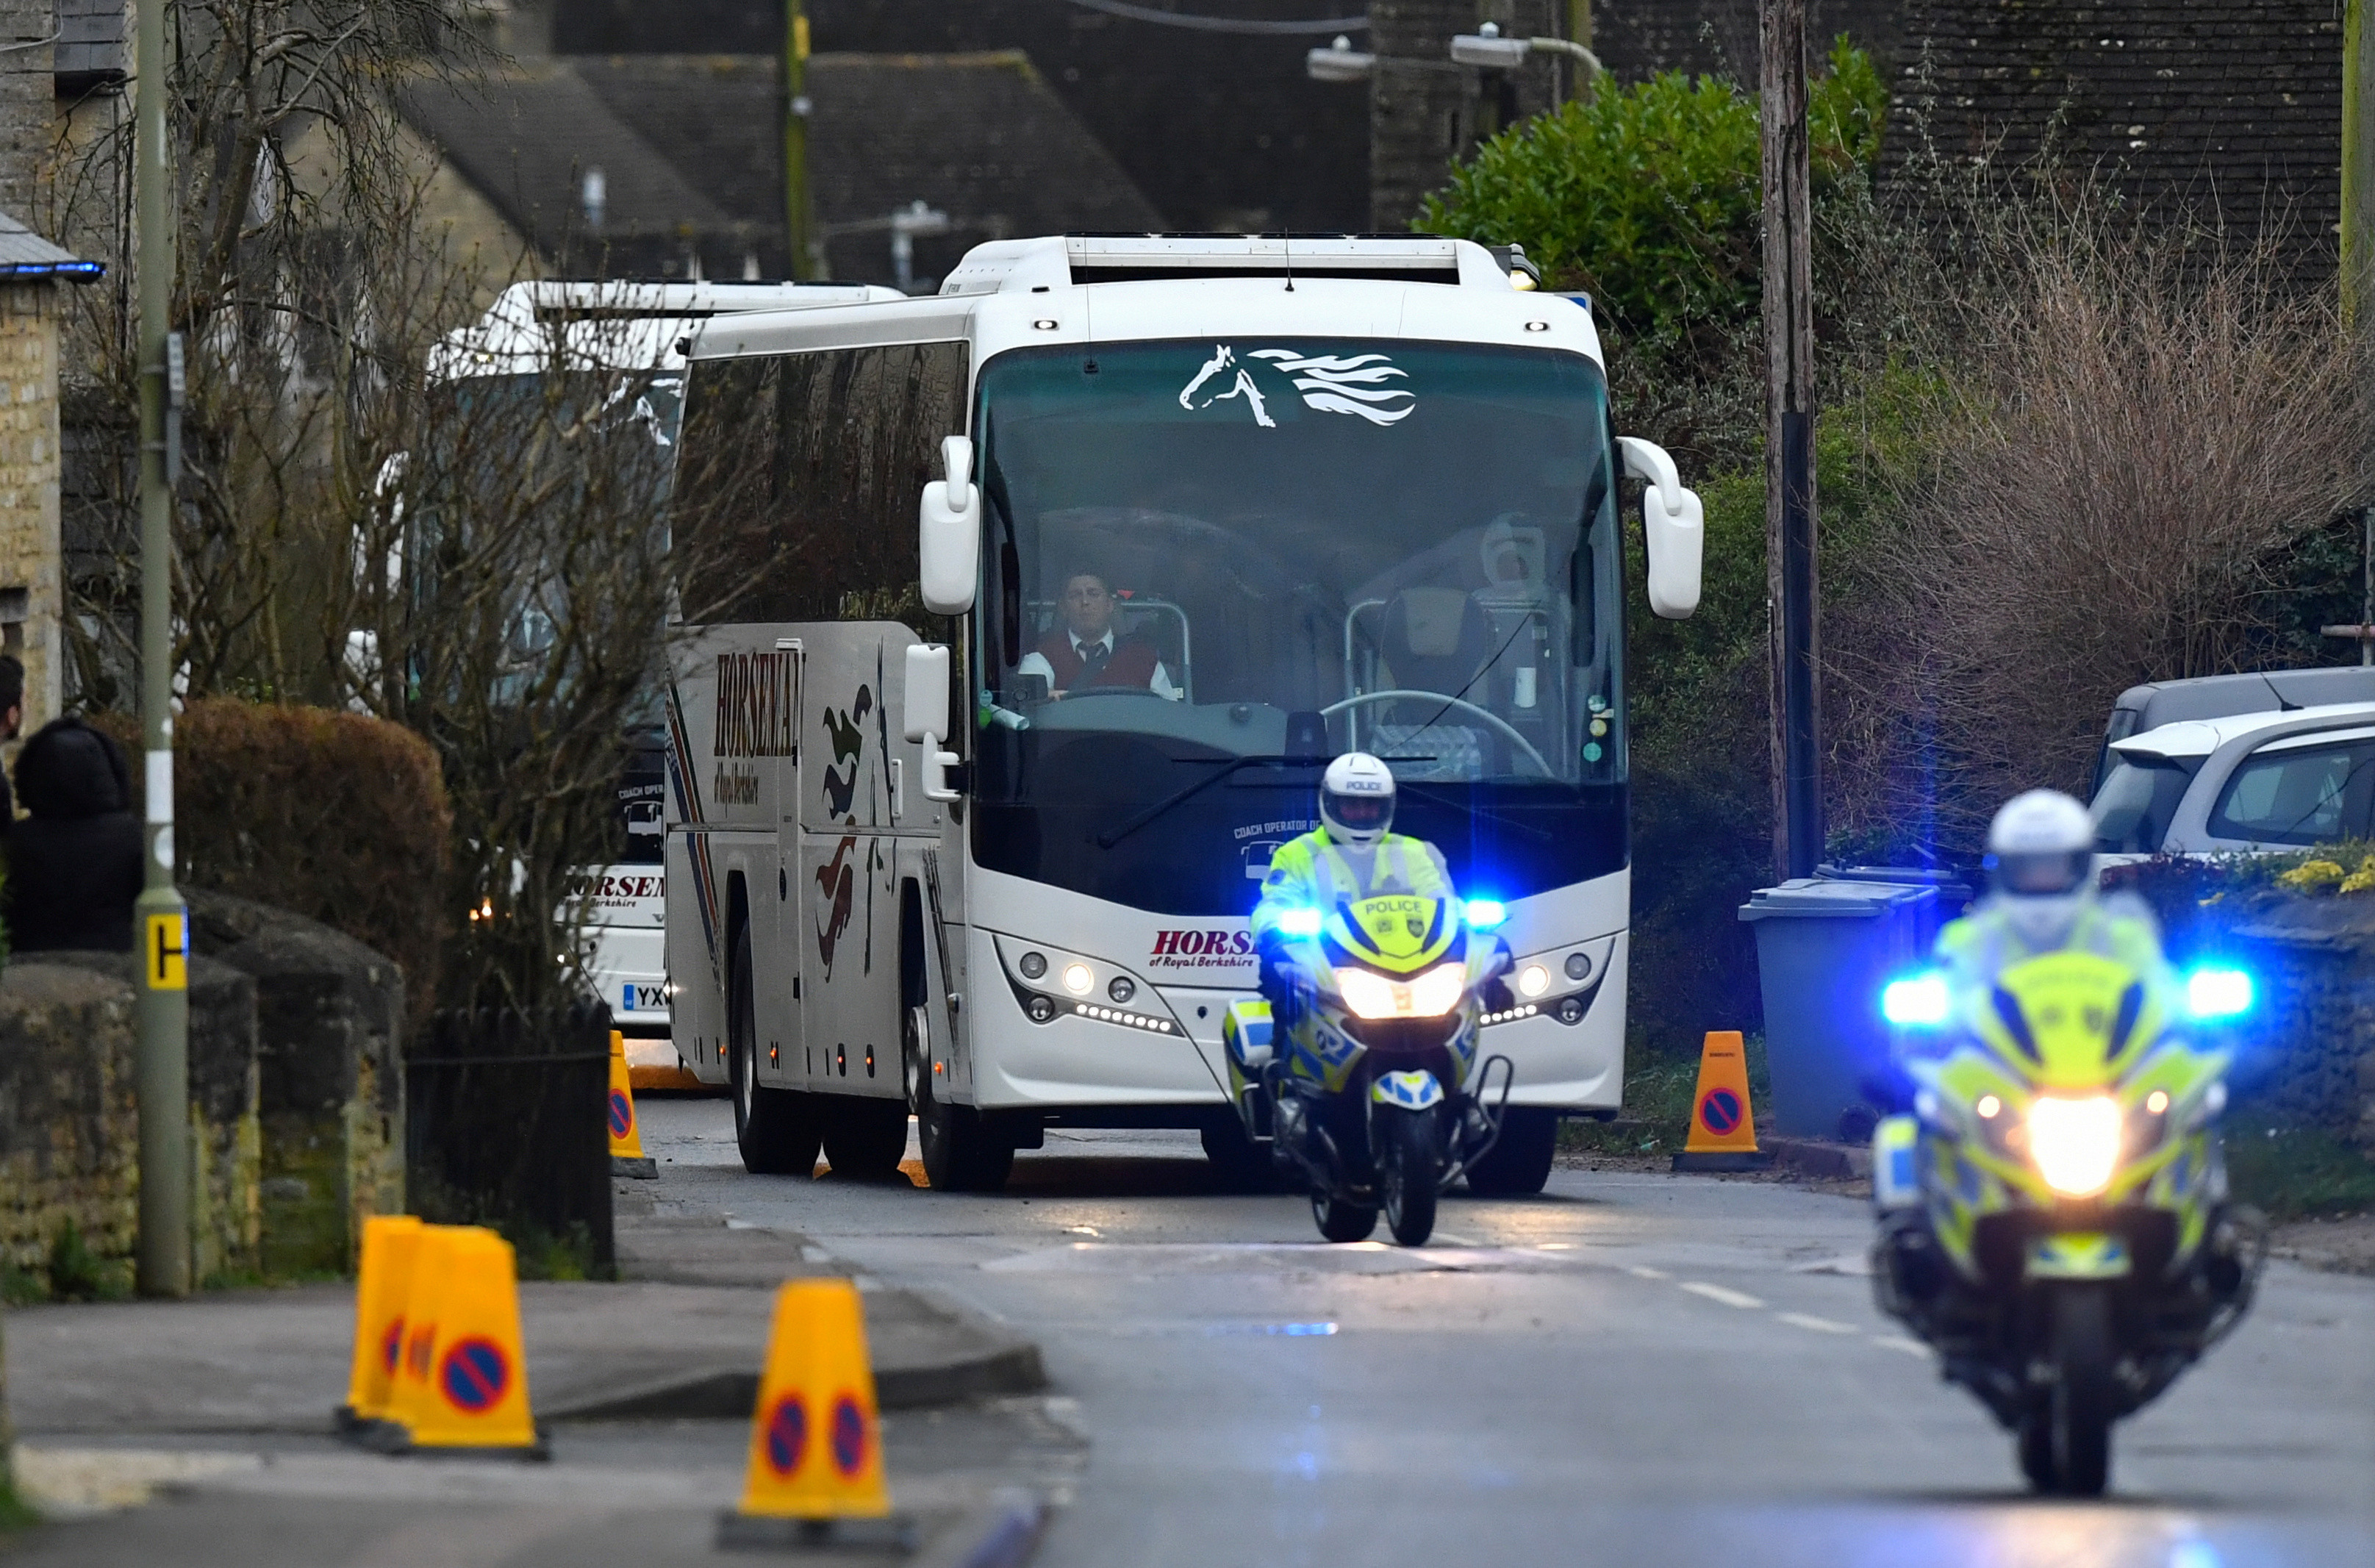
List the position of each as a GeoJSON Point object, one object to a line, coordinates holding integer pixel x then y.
{"type": "Point", "coordinates": [690, 148]}
{"type": "Point", "coordinates": [2234, 104]}
{"type": "Point", "coordinates": [1217, 130]}
{"type": "Point", "coordinates": [90, 44]}
{"type": "Point", "coordinates": [526, 141]}
{"type": "Point", "coordinates": [24, 253]}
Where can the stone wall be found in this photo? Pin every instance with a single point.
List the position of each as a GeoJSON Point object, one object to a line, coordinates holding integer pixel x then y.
{"type": "Point", "coordinates": [69, 1137]}
{"type": "Point", "coordinates": [296, 1097]}
{"type": "Point", "coordinates": [224, 1132]}
{"type": "Point", "coordinates": [330, 1031]}
{"type": "Point", "coordinates": [2311, 1048]}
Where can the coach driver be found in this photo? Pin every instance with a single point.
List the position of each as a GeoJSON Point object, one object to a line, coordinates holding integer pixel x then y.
{"type": "Point", "coordinates": [1083, 655]}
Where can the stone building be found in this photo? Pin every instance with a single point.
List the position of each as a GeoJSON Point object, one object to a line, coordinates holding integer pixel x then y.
{"type": "Point", "coordinates": [32, 587]}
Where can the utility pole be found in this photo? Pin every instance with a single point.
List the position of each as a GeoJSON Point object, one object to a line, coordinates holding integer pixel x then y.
{"type": "Point", "coordinates": [162, 927]}
{"type": "Point", "coordinates": [797, 217]}
{"type": "Point", "coordinates": [2357, 168]}
{"type": "Point", "coordinates": [2358, 259]}
{"type": "Point", "coordinates": [1792, 583]}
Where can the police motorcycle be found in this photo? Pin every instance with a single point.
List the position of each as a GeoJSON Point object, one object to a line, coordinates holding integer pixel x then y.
{"type": "Point", "coordinates": [2053, 1213]}
{"type": "Point", "coordinates": [1370, 1094]}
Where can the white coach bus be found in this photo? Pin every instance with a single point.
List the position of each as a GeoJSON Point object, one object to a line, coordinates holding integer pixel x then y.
{"type": "Point", "coordinates": [968, 819]}
{"type": "Point", "coordinates": [531, 331]}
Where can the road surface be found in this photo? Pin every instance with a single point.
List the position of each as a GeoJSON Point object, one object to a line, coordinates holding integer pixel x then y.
{"type": "Point", "coordinates": [1634, 1368]}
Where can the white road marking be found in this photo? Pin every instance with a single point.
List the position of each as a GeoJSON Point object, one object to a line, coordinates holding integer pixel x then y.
{"type": "Point", "coordinates": [1817, 1325]}
{"type": "Point", "coordinates": [1740, 1298]}
{"type": "Point", "coordinates": [1899, 1342]}
{"type": "Point", "coordinates": [1458, 1241]}
{"type": "Point", "coordinates": [1082, 1231]}
{"type": "Point", "coordinates": [1640, 1272]}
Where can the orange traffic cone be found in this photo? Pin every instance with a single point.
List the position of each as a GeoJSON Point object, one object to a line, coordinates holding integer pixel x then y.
{"type": "Point", "coordinates": [389, 1244]}
{"type": "Point", "coordinates": [815, 1475]}
{"type": "Point", "coordinates": [627, 1156]}
{"type": "Point", "coordinates": [1723, 1127]}
{"type": "Point", "coordinates": [462, 1382]}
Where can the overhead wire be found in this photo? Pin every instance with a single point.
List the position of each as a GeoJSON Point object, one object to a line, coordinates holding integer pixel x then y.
{"type": "Point", "coordinates": [1198, 23]}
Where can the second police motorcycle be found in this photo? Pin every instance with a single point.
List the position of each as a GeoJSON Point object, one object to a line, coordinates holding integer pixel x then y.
{"type": "Point", "coordinates": [2054, 1215]}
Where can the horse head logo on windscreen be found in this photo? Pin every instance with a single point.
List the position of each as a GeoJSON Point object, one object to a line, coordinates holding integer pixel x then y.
{"type": "Point", "coordinates": [1358, 384]}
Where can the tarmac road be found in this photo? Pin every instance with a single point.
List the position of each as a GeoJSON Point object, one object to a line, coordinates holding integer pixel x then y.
{"type": "Point", "coordinates": [1634, 1368]}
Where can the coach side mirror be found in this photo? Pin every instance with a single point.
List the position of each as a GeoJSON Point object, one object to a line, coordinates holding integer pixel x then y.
{"type": "Point", "coordinates": [1674, 526]}
{"type": "Point", "coordinates": [949, 543]}
{"type": "Point", "coordinates": [926, 714]}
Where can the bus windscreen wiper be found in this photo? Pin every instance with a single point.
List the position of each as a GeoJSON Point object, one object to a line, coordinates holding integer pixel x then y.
{"type": "Point", "coordinates": [1232, 766]}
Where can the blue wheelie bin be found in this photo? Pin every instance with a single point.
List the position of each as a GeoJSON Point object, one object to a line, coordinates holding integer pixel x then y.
{"type": "Point", "coordinates": [1826, 946]}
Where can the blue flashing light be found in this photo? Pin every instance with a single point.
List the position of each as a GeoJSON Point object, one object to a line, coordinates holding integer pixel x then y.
{"type": "Point", "coordinates": [1299, 921]}
{"type": "Point", "coordinates": [1485, 914]}
{"type": "Point", "coordinates": [1921, 1001]}
{"type": "Point", "coordinates": [2215, 993]}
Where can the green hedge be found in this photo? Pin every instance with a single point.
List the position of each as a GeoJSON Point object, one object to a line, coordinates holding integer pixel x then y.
{"type": "Point", "coordinates": [335, 816]}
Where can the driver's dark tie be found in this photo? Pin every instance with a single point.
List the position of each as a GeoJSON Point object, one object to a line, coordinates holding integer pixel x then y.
{"type": "Point", "coordinates": [1093, 659]}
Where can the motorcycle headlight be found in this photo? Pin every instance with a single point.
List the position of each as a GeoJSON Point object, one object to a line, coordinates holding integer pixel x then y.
{"type": "Point", "coordinates": [1365, 995]}
{"type": "Point", "coordinates": [1432, 994]}
{"type": "Point", "coordinates": [2075, 1143]}
{"type": "Point", "coordinates": [1438, 991]}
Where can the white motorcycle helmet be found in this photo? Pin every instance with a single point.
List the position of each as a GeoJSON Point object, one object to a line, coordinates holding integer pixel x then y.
{"type": "Point", "coordinates": [2042, 864]}
{"type": "Point", "coordinates": [1356, 800]}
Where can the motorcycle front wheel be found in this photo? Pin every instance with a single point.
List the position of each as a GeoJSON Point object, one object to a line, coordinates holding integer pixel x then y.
{"type": "Point", "coordinates": [1342, 1222]}
{"type": "Point", "coordinates": [2070, 1439]}
{"type": "Point", "coordinates": [1404, 1145]}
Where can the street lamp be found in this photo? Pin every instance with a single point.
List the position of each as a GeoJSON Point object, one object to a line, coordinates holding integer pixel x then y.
{"type": "Point", "coordinates": [1339, 61]}
{"type": "Point", "coordinates": [1487, 48]}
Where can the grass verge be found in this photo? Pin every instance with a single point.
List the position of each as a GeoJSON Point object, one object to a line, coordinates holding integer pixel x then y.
{"type": "Point", "coordinates": [2296, 1173]}
{"type": "Point", "coordinates": [1659, 1087]}
{"type": "Point", "coordinates": [15, 1513]}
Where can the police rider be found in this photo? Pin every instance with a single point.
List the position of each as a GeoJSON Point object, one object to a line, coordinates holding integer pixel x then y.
{"type": "Point", "coordinates": [2043, 898]}
{"type": "Point", "coordinates": [1353, 854]}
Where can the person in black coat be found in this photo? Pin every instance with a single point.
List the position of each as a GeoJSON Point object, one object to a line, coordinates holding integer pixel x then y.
{"type": "Point", "coordinates": [74, 862]}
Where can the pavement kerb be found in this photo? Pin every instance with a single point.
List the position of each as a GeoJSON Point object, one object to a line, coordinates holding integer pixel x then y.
{"type": "Point", "coordinates": [1003, 1533]}
{"type": "Point", "coordinates": [1819, 1156]}
{"type": "Point", "coordinates": [998, 1362]}
{"type": "Point", "coordinates": [977, 1359]}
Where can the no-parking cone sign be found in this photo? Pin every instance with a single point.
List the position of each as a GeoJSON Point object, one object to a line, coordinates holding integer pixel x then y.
{"type": "Point", "coordinates": [815, 1473]}
{"type": "Point", "coordinates": [463, 1380]}
{"type": "Point", "coordinates": [1724, 1126]}
{"type": "Point", "coordinates": [627, 1156]}
{"type": "Point", "coordinates": [390, 1242]}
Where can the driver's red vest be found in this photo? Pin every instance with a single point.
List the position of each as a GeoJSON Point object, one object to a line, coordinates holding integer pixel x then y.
{"type": "Point", "coordinates": [1131, 662]}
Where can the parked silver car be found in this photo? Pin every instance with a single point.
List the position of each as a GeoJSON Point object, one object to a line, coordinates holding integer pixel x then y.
{"type": "Point", "coordinates": [2247, 782]}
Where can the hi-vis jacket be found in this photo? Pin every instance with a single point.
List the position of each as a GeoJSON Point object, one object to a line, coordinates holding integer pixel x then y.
{"type": "Point", "coordinates": [1312, 873]}
{"type": "Point", "coordinates": [2120, 927]}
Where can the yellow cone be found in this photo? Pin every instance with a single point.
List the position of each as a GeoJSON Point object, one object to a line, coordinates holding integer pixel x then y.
{"type": "Point", "coordinates": [390, 1242]}
{"type": "Point", "coordinates": [1723, 1127]}
{"type": "Point", "coordinates": [816, 1440]}
{"type": "Point", "coordinates": [464, 1379]}
{"type": "Point", "coordinates": [627, 1156]}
